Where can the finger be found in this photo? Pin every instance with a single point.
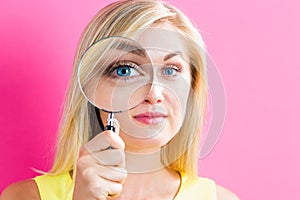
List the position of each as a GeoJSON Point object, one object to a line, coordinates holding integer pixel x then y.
{"type": "Point", "coordinates": [117, 126]}
{"type": "Point", "coordinates": [113, 170]}
{"type": "Point", "coordinates": [115, 174]}
{"type": "Point", "coordinates": [115, 140]}
{"type": "Point", "coordinates": [110, 157]}
{"type": "Point", "coordinates": [98, 143]}
{"type": "Point", "coordinates": [104, 188]}
{"type": "Point", "coordinates": [104, 140]}
{"type": "Point", "coordinates": [114, 189]}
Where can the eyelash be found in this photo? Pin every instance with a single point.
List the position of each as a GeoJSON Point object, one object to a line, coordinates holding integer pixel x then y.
{"type": "Point", "coordinates": [176, 67]}
{"type": "Point", "coordinates": [112, 69]}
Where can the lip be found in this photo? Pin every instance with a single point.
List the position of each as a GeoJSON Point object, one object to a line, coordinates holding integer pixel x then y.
{"type": "Point", "coordinates": [150, 118]}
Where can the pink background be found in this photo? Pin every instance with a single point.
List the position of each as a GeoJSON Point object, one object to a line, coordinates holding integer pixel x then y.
{"type": "Point", "coordinates": [255, 45]}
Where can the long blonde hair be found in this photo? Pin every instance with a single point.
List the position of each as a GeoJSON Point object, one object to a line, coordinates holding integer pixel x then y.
{"type": "Point", "coordinates": [78, 121]}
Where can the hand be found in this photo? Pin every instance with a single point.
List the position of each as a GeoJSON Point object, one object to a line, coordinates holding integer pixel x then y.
{"type": "Point", "coordinates": [100, 169]}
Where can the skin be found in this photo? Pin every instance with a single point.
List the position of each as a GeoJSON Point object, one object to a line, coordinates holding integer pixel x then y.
{"type": "Point", "coordinates": [102, 170]}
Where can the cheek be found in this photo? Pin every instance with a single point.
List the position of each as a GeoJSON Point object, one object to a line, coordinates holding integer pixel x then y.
{"type": "Point", "coordinates": [177, 96]}
{"type": "Point", "coordinates": [178, 104]}
{"type": "Point", "coordinates": [178, 99]}
{"type": "Point", "coordinates": [184, 91]}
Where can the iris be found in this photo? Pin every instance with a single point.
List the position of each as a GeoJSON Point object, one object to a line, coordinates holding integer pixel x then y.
{"type": "Point", "coordinates": [123, 71]}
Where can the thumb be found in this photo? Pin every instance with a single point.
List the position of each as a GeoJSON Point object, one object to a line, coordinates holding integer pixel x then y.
{"type": "Point", "coordinates": [114, 138]}
{"type": "Point", "coordinates": [117, 126]}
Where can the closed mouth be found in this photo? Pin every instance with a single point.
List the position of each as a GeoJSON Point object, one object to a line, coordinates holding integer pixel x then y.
{"type": "Point", "coordinates": [150, 117]}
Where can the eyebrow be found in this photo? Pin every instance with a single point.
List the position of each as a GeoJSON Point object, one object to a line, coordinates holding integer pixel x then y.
{"type": "Point", "coordinates": [131, 48]}
{"type": "Point", "coordinates": [135, 49]}
{"type": "Point", "coordinates": [170, 55]}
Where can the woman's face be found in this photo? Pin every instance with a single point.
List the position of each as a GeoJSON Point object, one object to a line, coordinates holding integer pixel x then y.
{"type": "Point", "coordinates": [159, 116]}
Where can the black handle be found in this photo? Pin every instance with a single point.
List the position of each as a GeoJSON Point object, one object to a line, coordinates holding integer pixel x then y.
{"type": "Point", "coordinates": [109, 127]}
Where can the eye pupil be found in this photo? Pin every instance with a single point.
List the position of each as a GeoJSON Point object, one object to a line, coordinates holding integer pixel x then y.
{"type": "Point", "coordinates": [124, 71]}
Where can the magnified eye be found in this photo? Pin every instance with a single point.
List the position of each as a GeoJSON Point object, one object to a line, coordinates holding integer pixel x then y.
{"type": "Point", "coordinates": [124, 70]}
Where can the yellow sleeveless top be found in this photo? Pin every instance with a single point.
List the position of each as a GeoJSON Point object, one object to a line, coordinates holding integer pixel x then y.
{"type": "Point", "coordinates": [61, 188]}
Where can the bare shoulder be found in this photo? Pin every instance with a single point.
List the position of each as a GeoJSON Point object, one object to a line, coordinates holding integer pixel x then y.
{"type": "Point", "coordinates": [25, 190]}
{"type": "Point", "coordinates": [225, 194]}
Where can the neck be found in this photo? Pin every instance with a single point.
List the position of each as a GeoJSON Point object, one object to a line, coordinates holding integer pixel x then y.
{"type": "Point", "coordinates": [137, 163]}
{"type": "Point", "coordinates": [161, 184]}
{"type": "Point", "coordinates": [148, 178]}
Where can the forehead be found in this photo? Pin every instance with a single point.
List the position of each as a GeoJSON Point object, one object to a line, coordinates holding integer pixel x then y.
{"type": "Point", "coordinates": [161, 41]}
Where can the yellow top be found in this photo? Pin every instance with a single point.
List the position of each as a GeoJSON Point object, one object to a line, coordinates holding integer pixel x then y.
{"type": "Point", "coordinates": [61, 188]}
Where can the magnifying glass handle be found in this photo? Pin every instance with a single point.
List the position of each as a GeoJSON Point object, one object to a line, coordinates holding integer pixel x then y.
{"type": "Point", "coordinates": [110, 122]}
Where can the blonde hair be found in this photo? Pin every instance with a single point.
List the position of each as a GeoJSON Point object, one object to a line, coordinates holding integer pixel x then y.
{"type": "Point", "coordinates": [78, 121]}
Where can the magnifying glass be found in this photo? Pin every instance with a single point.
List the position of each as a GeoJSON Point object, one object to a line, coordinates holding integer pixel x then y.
{"type": "Point", "coordinates": [115, 74]}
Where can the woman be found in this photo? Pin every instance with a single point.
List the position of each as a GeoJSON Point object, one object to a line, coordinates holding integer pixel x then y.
{"type": "Point", "coordinates": [152, 154]}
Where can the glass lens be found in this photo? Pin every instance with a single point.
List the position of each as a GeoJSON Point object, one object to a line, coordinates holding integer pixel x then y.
{"type": "Point", "coordinates": [115, 74]}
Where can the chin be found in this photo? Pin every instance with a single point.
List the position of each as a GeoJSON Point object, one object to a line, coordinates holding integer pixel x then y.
{"type": "Point", "coordinates": [136, 144]}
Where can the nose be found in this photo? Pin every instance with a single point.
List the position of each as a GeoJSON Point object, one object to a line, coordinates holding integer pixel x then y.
{"type": "Point", "coordinates": [155, 95]}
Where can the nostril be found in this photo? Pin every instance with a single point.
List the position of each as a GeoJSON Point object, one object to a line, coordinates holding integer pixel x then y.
{"type": "Point", "coordinates": [153, 100]}
{"type": "Point", "coordinates": [155, 95]}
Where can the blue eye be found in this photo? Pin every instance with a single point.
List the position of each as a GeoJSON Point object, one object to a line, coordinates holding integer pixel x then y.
{"type": "Point", "coordinates": [171, 70]}
{"type": "Point", "coordinates": [168, 71]}
{"type": "Point", "coordinates": [123, 71]}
